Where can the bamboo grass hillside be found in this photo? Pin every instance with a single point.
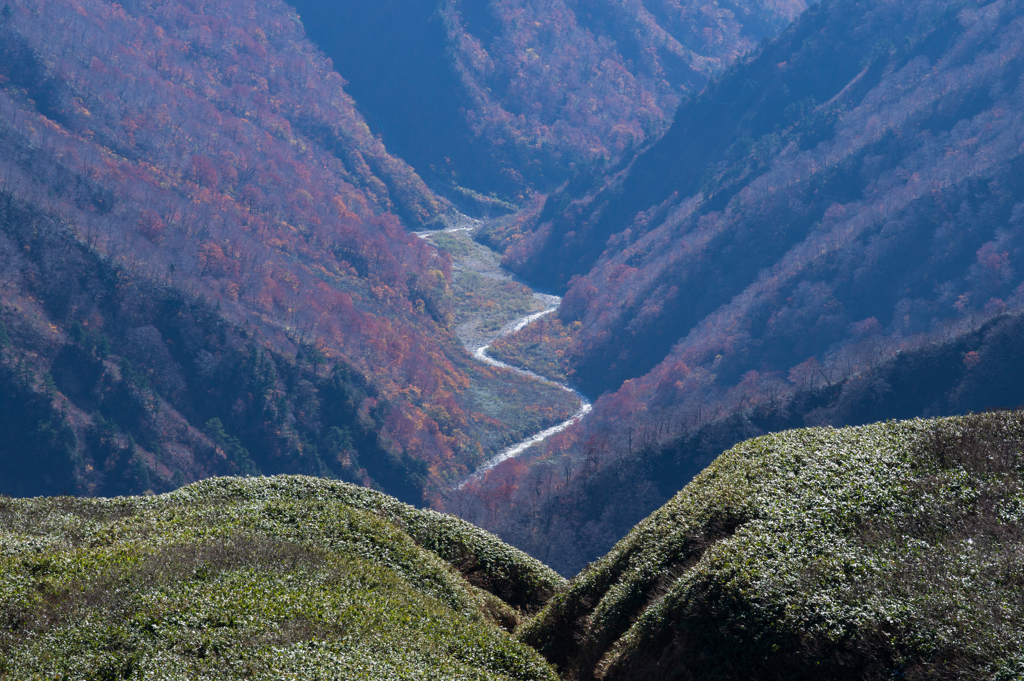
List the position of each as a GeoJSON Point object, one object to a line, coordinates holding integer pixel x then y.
{"type": "Point", "coordinates": [888, 551]}
{"type": "Point", "coordinates": [285, 577]}
{"type": "Point", "coordinates": [894, 550]}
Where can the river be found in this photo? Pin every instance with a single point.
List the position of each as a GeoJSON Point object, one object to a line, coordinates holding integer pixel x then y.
{"type": "Point", "coordinates": [479, 352]}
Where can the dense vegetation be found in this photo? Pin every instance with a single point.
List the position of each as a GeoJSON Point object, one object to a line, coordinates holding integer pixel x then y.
{"type": "Point", "coordinates": [153, 388]}
{"type": "Point", "coordinates": [867, 134]}
{"type": "Point", "coordinates": [878, 552]}
{"type": "Point", "coordinates": [148, 390]}
{"type": "Point", "coordinates": [205, 266]}
{"type": "Point", "coordinates": [508, 96]}
{"type": "Point", "coordinates": [848, 192]}
{"type": "Point", "coordinates": [206, 269]}
{"type": "Point", "coordinates": [568, 509]}
{"type": "Point", "coordinates": [542, 347]}
{"type": "Point", "coordinates": [260, 577]}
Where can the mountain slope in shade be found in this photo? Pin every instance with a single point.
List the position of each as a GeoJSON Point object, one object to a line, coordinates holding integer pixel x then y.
{"type": "Point", "coordinates": [887, 209]}
{"type": "Point", "coordinates": [500, 96]}
{"type": "Point", "coordinates": [187, 188]}
{"type": "Point", "coordinates": [850, 191]}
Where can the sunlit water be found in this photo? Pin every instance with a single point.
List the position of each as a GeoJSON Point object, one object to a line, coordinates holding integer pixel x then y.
{"type": "Point", "coordinates": [480, 354]}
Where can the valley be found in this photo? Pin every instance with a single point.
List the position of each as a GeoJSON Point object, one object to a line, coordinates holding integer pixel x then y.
{"type": "Point", "coordinates": [825, 236]}
{"type": "Point", "coordinates": [492, 102]}
{"type": "Point", "coordinates": [578, 340]}
{"type": "Point", "coordinates": [486, 295]}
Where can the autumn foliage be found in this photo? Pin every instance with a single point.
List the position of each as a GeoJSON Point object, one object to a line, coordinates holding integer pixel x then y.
{"type": "Point", "coordinates": [209, 148]}
{"type": "Point", "coordinates": [847, 194]}
{"type": "Point", "coordinates": [533, 90]}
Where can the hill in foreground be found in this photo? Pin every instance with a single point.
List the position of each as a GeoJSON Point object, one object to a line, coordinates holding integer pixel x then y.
{"type": "Point", "coordinates": [888, 551]}
{"type": "Point", "coordinates": [233, 577]}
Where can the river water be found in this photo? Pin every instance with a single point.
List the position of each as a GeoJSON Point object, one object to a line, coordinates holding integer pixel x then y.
{"type": "Point", "coordinates": [479, 353]}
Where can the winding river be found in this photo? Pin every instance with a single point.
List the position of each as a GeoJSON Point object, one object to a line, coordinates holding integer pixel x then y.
{"type": "Point", "coordinates": [480, 354]}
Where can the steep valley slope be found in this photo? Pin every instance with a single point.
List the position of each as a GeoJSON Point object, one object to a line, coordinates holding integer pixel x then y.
{"type": "Point", "coordinates": [508, 97]}
{"type": "Point", "coordinates": [846, 194]}
{"type": "Point", "coordinates": [779, 208]}
{"type": "Point", "coordinates": [206, 266]}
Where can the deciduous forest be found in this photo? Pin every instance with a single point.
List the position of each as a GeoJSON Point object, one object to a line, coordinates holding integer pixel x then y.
{"type": "Point", "coordinates": [492, 101]}
{"type": "Point", "coordinates": [844, 195]}
{"type": "Point", "coordinates": [207, 262]}
{"type": "Point", "coordinates": [511, 339]}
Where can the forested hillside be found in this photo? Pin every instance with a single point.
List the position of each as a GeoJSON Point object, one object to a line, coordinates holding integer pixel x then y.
{"type": "Point", "coordinates": [570, 504]}
{"type": "Point", "coordinates": [848, 192]}
{"type": "Point", "coordinates": [206, 266]}
{"type": "Point", "coordinates": [769, 220]}
{"type": "Point", "coordinates": [511, 96]}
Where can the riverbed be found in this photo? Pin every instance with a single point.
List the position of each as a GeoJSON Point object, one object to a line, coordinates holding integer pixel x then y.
{"type": "Point", "coordinates": [477, 338]}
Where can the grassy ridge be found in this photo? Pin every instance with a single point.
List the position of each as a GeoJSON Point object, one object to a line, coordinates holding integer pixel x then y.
{"type": "Point", "coordinates": [289, 577]}
{"type": "Point", "coordinates": [890, 551]}
{"type": "Point", "coordinates": [887, 551]}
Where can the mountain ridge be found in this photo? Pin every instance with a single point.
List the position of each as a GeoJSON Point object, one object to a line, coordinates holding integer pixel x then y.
{"type": "Point", "coordinates": [855, 552]}
{"type": "Point", "coordinates": [532, 90]}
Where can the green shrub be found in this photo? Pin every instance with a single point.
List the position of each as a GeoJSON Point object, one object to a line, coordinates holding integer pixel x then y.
{"type": "Point", "coordinates": [286, 577]}
{"type": "Point", "coordinates": [888, 551]}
